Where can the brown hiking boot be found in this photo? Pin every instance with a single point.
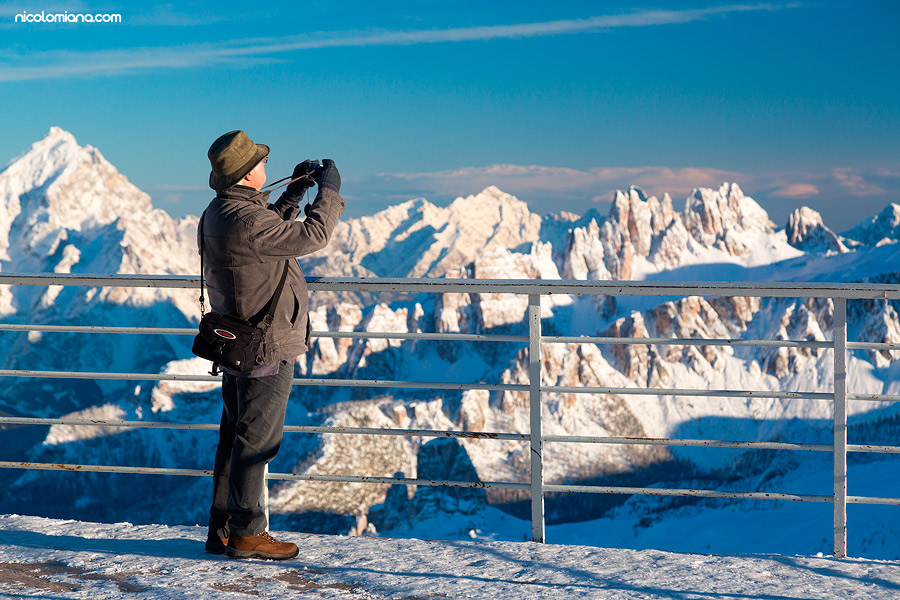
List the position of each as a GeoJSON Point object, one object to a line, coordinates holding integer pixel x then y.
{"type": "Point", "coordinates": [216, 544]}
{"type": "Point", "coordinates": [261, 545]}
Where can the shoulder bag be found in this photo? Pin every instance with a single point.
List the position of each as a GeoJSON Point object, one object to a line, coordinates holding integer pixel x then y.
{"type": "Point", "coordinates": [227, 340]}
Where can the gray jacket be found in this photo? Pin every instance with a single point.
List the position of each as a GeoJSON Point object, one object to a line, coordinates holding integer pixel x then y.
{"type": "Point", "coordinates": [246, 242]}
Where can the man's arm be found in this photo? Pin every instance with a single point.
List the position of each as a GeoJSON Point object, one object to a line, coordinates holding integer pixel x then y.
{"type": "Point", "coordinates": [288, 205]}
{"type": "Point", "coordinates": [277, 239]}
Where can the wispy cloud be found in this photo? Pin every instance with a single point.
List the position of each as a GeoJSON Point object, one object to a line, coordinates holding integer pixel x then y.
{"type": "Point", "coordinates": [854, 183]}
{"type": "Point", "coordinates": [61, 64]}
{"type": "Point", "coordinates": [796, 190]}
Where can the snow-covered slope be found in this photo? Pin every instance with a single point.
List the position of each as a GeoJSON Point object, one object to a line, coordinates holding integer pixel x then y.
{"type": "Point", "coordinates": [64, 208]}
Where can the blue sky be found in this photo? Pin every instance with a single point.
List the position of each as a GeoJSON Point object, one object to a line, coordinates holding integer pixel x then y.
{"type": "Point", "coordinates": [558, 103]}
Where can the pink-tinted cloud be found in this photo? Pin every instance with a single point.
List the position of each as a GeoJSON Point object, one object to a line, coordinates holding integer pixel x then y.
{"type": "Point", "coordinates": [599, 183]}
{"type": "Point", "coordinates": [796, 190]}
{"type": "Point", "coordinates": [854, 183]}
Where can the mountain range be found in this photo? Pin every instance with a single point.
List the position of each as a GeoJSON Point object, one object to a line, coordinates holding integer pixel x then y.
{"type": "Point", "coordinates": [65, 209]}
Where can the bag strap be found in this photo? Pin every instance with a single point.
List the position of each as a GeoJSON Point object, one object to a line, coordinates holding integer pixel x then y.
{"type": "Point", "coordinates": [202, 307]}
{"type": "Point", "coordinates": [273, 301]}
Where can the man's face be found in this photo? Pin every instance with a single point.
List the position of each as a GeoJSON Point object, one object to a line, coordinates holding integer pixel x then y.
{"type": "Point", "coordinates": [259, 173]}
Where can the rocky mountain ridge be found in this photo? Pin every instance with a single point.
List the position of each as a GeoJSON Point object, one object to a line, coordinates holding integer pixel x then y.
{"type": "Point", "coordinates": [64, 208]}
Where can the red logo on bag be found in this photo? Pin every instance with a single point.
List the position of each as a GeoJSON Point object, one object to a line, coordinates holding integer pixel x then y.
{"type": "Point", "coordinates": [225, 334]}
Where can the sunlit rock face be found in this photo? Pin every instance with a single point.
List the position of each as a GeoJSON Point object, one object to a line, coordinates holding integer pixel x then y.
{"type": "Point", "coordinates": [806, 231]}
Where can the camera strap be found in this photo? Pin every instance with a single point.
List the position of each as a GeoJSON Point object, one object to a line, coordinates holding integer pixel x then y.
{"type": "Point", "coordinates": [269, 188]}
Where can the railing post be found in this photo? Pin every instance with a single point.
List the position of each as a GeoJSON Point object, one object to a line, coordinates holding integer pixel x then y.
{"type": "Point", "coordinates": [265, 495]}
{"type": "Point", "coordinates": [840, 427]}
{"type": "Point", "coordinates": [537, 445]}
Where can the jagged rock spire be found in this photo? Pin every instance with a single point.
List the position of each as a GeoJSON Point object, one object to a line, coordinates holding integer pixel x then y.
{"type": "Point", "coordinates": [806, 231]}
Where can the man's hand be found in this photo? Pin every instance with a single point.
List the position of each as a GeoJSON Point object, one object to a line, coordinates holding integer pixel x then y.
{"type": "Point", "coordinates": [327, 175]}
{"type": "Point", "coordinates": [304, 171]}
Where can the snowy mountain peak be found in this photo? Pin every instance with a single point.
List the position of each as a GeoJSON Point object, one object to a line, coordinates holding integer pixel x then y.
{"type": "Point", "coordinates": [44, 160]}
{"type": "Point", "coordinates": [883, 227]}
{"type": "Point", "coordinates": [418, 239]}
{"type": "Point", "coordinates": [709, 213]}
{"type": "Point", "coordinates": [806, 231]}
{"type": "Point", "coordinates": [64, 185]}
{"type": "Point", "coordinates": [490, 200]}
{"type": "Point", "coordinates": [61, 134]}
{"type": "Point", "coordinates": [65, 208]}
{"type": "Point", "coordinates": [644, 234]}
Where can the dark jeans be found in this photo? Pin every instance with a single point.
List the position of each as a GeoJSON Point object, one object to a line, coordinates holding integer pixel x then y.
{"type": "Point", "coordinates": [249, 437]}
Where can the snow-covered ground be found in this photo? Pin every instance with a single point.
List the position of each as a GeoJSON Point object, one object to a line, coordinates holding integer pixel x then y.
{"type": "Point", "coordinates": [47, 558]}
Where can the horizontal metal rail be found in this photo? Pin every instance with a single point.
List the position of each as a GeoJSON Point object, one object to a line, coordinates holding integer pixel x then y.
{"type": "Point", "coordinates": [577, 389]}
{"type": "Point", "coordinates": [440, 385]}
{"type": "Point", "coordinates": [873, 345]}
{"type": "Point", "coordinates": [113, 376]}
{"type": "Point", "coordinates": [324, 429]}
{"type": "Point", "coordinates": [104, 469]}
{"type": "Point", "coordinates": [97, 329]}
{"type": "Point", "coordinates": [694, 443]}
{"type": "Point", "coordinates": [587, 439]}
{"type": "Point", "coordinates": [453, 337]}
{"type": "Point", "coordinates": [510, 286]}
{"type": "Point", "coordinates": [108, 423]}
{"type": "Point", "coordinates": [462, 484]}
{"type": "Point", "coordinates": [376, 383]}
{"type": "Point", "coordinates": [873, 449]}
{"type": "Point", "coordinates": [827, 345]}
{"type": "Point", "coordinates": [484, 435]}
{"type": "Point", "coordinates": [874, 397]}
{"type": "Point", "coordinates": [503, 485]}
{"type": "Point", "coordinates": [287, 428]}
{"type": "Point", "coordinates": [471, 337]}
{"type": "Point", "coordinates": [873, 500]}
{"type": "Point", "coordinates": [569, 339]}
{"type": "Point", "coordinates": [387, 335]}
{"type": "Point", "coordinates": [509, 485]}
{"type": "Point", "coordinates": [494, 286]}
{"type": "Point", "coordinates": [606, 489]}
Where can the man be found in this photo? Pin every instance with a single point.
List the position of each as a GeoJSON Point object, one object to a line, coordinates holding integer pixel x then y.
{"type": "Point", "coordinates": [245, 242]}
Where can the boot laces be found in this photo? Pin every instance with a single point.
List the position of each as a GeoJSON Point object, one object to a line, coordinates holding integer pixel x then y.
{"type": "Point", "coordinates": [265, 535]}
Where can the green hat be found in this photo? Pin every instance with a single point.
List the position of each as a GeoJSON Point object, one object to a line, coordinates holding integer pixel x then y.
{"type": "Point", "coordinates": [232, 156]}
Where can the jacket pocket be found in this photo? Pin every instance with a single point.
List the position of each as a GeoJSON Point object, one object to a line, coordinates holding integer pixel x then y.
{"type": "Point", "coordinates": [308, 330]}
{"type": "Point", "coordinates": [295, 312]}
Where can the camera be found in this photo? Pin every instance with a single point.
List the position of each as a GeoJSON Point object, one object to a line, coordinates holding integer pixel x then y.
{"type": "Point", "coordinates": [311, 167]}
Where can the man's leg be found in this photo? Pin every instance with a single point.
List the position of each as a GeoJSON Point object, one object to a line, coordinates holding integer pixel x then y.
{"type": "Point", "coordinates": [218, 515]}
{"type": "Point", "coordinates": [261, 404]}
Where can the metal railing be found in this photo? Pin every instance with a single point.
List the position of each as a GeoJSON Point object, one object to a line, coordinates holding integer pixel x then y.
{"type": "Point", "coordinates": [839, 293]}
